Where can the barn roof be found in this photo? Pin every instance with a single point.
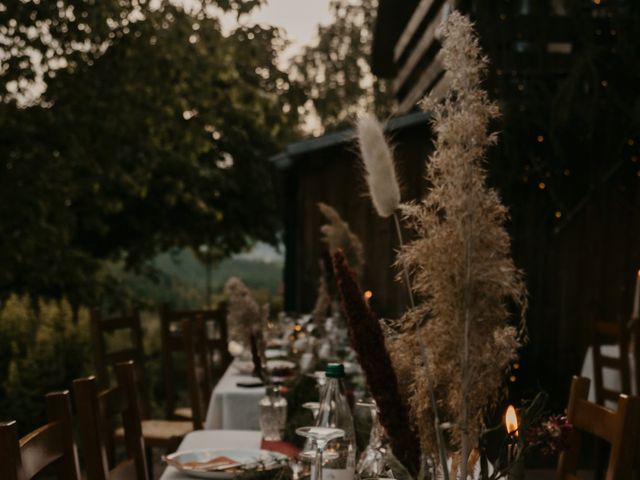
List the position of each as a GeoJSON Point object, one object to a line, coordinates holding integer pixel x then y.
{"type": "Point", "coordinates": [298, 150]}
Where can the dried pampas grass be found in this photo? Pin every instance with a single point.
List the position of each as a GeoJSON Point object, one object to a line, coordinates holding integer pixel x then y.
{"type": "Point", "coordinates": [378, 162]}
{"type": "Point", "coordinates": [460, 263]}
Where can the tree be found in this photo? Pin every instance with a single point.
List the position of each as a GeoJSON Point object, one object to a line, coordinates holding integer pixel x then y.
{"type": "Point", "coordinates": [335, 72]}
{"type": "Point", "coordinates": [155, 135]}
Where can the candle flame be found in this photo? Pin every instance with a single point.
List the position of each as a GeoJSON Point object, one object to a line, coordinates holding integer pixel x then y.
{"type": "Point", "coordinates": [511, 420]}
{"type": "Point", "coordinates": [368, 294]}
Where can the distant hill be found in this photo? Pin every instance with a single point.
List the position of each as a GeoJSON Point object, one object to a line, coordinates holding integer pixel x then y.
{"type": "Point", "coordinates": [180, 278]}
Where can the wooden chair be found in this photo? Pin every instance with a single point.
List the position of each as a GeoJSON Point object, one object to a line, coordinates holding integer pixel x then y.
{"type": "Point", "coordinates": [608, 333]}
{"type": "Point", "coordinates": [106, 359]}
{"type": "Point", "coordinates": [157, 432]}
{"type": "Point", "coordinates": [96, 410]}
{"type": "Point", "coordinates": [172, 342]}
{"type": "Point", "coordinates": [199, 368]}
{"type": "Point", "coordinates": [619, 428]}
{"type": "Point", "coordinates": [50, 444]}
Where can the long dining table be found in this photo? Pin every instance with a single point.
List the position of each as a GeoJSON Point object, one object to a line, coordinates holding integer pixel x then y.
{"type": "Point", "coordinates": [234, 407]}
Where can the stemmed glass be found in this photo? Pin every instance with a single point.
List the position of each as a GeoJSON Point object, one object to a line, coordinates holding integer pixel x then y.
{"type": "Point", "coordinates": [314, 407]}
{"type": "Point", "coordinates": [372, 463]}
{"type": "Point", "coordinates": [320, 436]}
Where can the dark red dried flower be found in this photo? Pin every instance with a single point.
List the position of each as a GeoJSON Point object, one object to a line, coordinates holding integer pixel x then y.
{"type": "Point", "coordinates": [551, 435]}
{"type": "Point", "coordinates": [367, 340]}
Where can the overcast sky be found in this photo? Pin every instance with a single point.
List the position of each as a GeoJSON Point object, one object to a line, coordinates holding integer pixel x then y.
{"type": "Point", "coordinates": [299, 18]}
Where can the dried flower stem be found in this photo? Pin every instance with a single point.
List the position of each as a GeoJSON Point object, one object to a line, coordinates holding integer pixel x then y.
{"type": "Point", "coordinates": [407, 280]}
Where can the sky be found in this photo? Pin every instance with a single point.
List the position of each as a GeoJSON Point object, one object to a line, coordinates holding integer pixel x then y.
{"type": "Point", "coordinates": [299, 18]}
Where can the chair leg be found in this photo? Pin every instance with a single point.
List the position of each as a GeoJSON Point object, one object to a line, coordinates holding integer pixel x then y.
{"type": "Point", "coordinates": [600, 459]}
{"type": "Point", "coordinates": [149, 454]}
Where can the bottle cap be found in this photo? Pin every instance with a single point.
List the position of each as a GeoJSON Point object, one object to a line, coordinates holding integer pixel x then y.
{"type": "Point", "coordinates": [334, 370]}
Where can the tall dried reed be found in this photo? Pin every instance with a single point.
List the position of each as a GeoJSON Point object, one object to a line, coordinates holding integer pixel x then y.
{"type": "Point", "coordinates": [459, 262]}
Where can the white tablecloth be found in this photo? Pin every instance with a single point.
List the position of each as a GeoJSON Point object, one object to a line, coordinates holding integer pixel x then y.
{"type": "Point", "coordinates": [610, 377]}
{"type": "Point", "coordinates": [232, 407]}
{"type": "Point", "coordinates": [203, 439]}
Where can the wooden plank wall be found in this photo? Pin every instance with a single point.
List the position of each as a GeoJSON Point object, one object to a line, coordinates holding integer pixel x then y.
{"type": "Point", "coordinates": [334, 176]}
{"type": "Point", "coordinates": [585, 270]}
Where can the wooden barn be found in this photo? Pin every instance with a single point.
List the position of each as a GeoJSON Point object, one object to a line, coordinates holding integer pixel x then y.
{"type": "Point", "coordinates": [327, 169]}
{"type": "Point", "coordinates": [571, 186]}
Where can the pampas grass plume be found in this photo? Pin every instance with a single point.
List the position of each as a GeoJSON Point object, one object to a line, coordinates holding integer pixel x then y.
{"type": "Point", "coordinates": [378, 163]}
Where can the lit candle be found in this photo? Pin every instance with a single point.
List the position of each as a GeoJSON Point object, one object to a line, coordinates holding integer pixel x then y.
{"type": "Point", "coordinates": [367, 296]}
{"type": "Point", "coordinates": [636, 299]}
{"type": "Point", "coordinates": [511, 423]}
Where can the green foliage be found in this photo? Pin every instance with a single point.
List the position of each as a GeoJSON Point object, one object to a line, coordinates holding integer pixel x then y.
{"type": "Point", "coordinates": [43, 347]}
{"type": "Point", "coordinates": [153, 135]}
{"type": "Point", "coordinates": [178, 278]}
{"type": "Point", "coordinates": [335, 72]}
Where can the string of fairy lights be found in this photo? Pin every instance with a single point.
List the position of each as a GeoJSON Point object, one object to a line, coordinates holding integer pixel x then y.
{"type": "Point", "coordinates": [563, 181]}
{"type": "Point", "coordinates": [542, 168]}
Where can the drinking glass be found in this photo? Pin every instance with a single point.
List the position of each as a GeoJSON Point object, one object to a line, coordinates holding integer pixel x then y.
{"type": "Point", "coordinates": [372, 463]}
{"type": "Point", "coordinates": [313, 406]}
{"type": "Point", "coordinates": [320, 436]}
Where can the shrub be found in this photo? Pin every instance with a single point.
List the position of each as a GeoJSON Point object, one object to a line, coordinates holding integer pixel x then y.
{"type": "Point", "coordinates": [43, 347]}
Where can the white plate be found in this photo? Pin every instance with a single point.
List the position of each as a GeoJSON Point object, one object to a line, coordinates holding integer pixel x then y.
{"type": "Point", "coordinates": [280, 365]}
{"type": "Point", "coordinates": [254, 460]}
{"type": "Point", "coordinates": [244, 366]}
{"type": "Point", "coordinates": [275, 353]}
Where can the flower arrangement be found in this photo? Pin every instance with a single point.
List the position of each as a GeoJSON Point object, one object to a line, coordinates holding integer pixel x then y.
{"type": "Point", "coordinates": [244, 314]}
{"type": "Point", "coordinates": [450, 350]}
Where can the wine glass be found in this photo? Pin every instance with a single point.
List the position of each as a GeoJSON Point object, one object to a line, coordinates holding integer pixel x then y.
{"type": "Point", "coordinates": [320, 436]}
{"type": "Point", "coordinates": [314, 407]}
{"type": "Point", "coordinates": [372, 462]}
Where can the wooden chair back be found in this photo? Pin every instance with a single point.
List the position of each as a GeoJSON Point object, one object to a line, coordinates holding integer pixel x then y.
{"type": "Point", "coordinates": [96, 412]}
{"type": "Point", "coordinates": [106, 359]}
{"type": "Point", "coordinates": [610, 333]}
{"type": "Point", "coordinates": [52, 443]}
{"type": "Point", "coordinates": [199, 368]}
{"type": "Point", "coordinates": [618, 428]}
{"type": "Point", "coordinates": [172, 342]}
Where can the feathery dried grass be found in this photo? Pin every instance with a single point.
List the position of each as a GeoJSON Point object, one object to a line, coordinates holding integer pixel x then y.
{"type": "Point", "coordinates": [460, 263]}
{"type": "Point", "coordinates": [380, 172]}
{"type": "Point", "coordinates": [338, 236]}
{"type": "Point", "coordinates": [244, 314]}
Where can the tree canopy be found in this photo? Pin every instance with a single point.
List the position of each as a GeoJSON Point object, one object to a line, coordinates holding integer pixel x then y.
{"type": "Point", "coordinates": [153, 131]}
{"type": "Point", "coordinates": [334, 72]}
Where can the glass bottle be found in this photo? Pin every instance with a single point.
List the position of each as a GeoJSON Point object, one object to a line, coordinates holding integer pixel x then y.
{"type": "Point", "coordinates": [273, 414]}
{"type": "Point", "coordinates": [335, 412]}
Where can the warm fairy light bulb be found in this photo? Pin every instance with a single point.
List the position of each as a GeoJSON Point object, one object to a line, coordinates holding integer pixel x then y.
{"type": "Point", "coordinates": [638, 274]}
{"type": "Point", "coordinates": [368, 294]}
{"type": "Point", "coordinates": [511, 421]}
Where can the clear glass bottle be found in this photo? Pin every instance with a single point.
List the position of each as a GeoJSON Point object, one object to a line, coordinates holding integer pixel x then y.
{"type": "Point", "coordinates": [273, 414]}
{"type": "Point", "coordinates": [335, 412]}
